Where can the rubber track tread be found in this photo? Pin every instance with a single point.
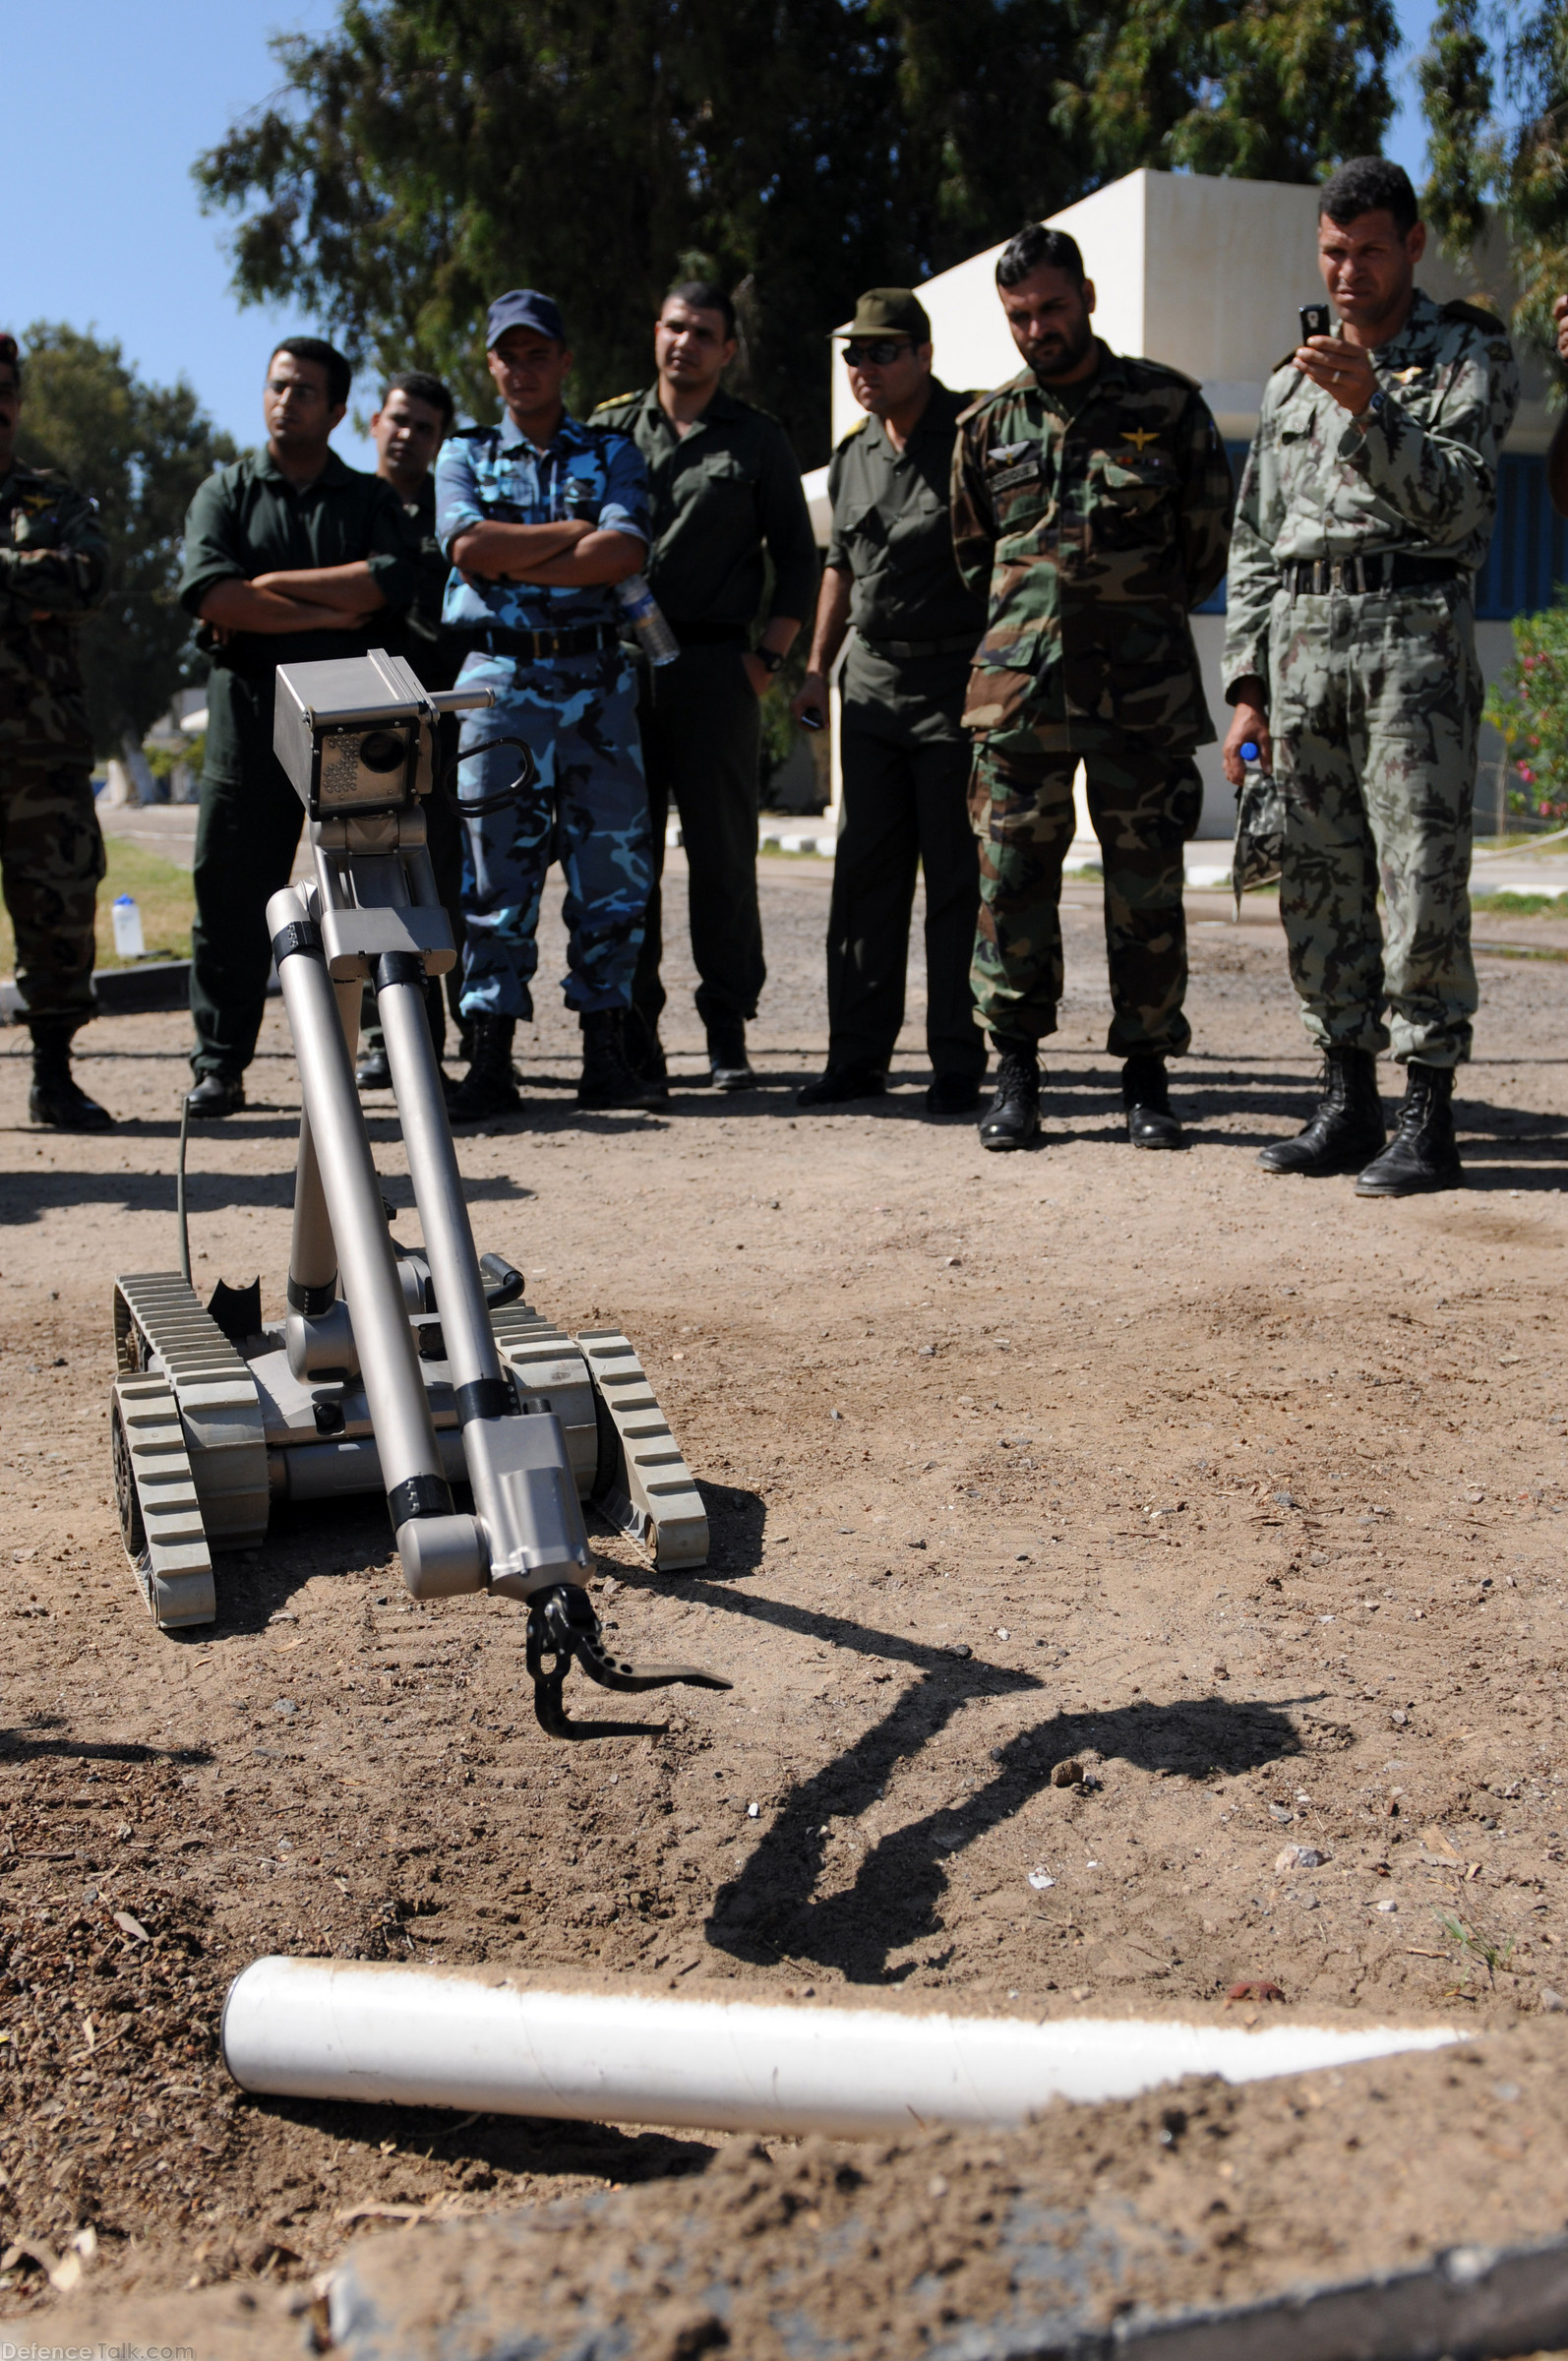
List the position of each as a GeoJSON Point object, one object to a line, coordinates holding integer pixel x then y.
{"type": "Point", "coordinates": [652, 1494]}
{"type": "Point", "coordinates": [219, 1405]}
{"type": "Point", "coordinates": [175, 1570]}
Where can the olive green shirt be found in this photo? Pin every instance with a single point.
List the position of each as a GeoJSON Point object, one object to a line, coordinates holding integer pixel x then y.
{"type": "Point", "coordinates": [892, 534]}
{"type": "Point", "coordinates": [436, 654]}
{"type": "Point", "coordinates": [247, 519]}
{"type": "Point", "coordinates": [720, 494]}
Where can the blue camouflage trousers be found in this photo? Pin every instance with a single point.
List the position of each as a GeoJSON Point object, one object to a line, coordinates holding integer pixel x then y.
{"type": "Point", "coordinates": [588, 809]}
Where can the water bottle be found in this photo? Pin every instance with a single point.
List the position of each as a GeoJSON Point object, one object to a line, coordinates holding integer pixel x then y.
{"type": "Point", "coordinates": [127, 943]}
{"type": "Point", "coordinates": [1259, 850]}
{"type": "Point", "coordinates": [644, 612]}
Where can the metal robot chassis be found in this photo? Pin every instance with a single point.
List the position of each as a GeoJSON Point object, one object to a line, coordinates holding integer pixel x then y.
{"type": "Point", "coordinates": [396, 1370]}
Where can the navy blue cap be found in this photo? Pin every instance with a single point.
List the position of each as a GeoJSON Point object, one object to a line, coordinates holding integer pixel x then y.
{"type": "Point", "coordinates": [524, 307]}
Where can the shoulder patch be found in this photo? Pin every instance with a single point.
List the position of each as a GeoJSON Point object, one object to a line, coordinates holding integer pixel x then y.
{"type": "Point", "coordinates": [859, 428]}
{"type": "Point", "coordinates": [1475, 315]}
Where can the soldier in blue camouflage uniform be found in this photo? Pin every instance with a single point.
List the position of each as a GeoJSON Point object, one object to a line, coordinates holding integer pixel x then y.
{"type": "Point", "coordinates": [1367, 507]}
{"type": "Point", "coordinates": [1091, 502]}
{"type": "Point", "coordinates": [541, 516]}
{"type": "Point", "coordinates": [54, 568]}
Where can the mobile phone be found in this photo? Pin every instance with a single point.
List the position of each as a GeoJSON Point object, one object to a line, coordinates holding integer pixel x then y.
{"type": "Point", "coordinates": [810, 719]}
{"type": "Point", "coordinates": [1314, 321]}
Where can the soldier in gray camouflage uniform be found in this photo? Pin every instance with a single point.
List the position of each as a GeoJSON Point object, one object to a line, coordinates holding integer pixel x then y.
{"type": "Point", "coordinates": [54, 568]}
{"type": "Point", "coordinates": [1091, 502]}
{"type": "Point", "coordinates": [1367, 507]}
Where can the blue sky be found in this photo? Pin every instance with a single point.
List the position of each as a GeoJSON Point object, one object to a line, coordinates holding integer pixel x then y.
{"type": "Point", "coordinates": [109, 107]}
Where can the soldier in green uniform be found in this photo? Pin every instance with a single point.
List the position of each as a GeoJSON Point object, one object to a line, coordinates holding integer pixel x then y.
{"type": "Point", "coordinates": [54, 568]}
{"type": "Point", "coordinates": [727, 503]}
{"type": "Point", "coordinates": [413, 421]}
{"type": "Point", "coordinates": [1367, 506]}
{"type": "Point", "coordinates": [1092, 497]}
{"type": "Point", "coordinates": [290, 557]}
{"type": "Point", "coordinates": [905, 756]}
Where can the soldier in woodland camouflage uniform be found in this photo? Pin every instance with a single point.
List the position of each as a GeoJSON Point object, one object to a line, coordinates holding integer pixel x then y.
{"type": "Point", "coordinates": [1367, 507]}
{"type": "Point", "coordinates": [54, 568]}
{"type": "Point", "coordinates": [541, 516]}
{"type": "Point", "coordinates": [1092, 497]}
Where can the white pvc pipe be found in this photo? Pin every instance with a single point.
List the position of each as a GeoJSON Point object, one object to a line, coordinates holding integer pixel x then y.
{"type": "Point", "coordinates": [410, 2036]}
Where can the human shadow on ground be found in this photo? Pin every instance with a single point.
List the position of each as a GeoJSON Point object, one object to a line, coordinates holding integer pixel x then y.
{"type": "Point", "coordinates": [29, 1196]}
{"type": "Point", "coordinates": [44, 1736]}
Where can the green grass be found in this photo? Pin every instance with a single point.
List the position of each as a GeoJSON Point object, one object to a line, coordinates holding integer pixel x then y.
{"type": "Point", "coordinates": [161, 891]}
{"type": "Point", "coordinates": [1521, 905]}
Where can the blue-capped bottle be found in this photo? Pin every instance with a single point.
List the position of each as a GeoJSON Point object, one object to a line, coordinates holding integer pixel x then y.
{"type": "Point", "coordinates": [642, 610]}
{"type": "Point", "coordinates": [1259, 851]}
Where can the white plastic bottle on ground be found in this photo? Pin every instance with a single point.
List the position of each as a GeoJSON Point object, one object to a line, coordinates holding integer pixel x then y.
{"type": "Point", "coordinates": [128, 941]}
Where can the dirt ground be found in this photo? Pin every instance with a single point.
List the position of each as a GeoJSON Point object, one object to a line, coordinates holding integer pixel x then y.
{"type": "Point", "coordinates": [1240, 1493]}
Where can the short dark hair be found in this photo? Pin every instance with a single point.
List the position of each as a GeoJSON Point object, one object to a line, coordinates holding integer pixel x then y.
{"type": "Point", "coordinates": [420, 385]}
{"type": "Point", "coordinates": [703, 296]}
{"type": "Point", "coordinates": [1038, 248]}
{"type": "Point", "coordinates": [1370, 184]}
{"type": "Point", "coordinates": [11, 357]}
{"type": "Point", "coordinates": [339, 375]}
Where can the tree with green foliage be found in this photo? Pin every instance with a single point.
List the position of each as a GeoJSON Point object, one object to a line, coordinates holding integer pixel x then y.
{"type": "Point", "coordinates": [141, 451]}
{"type": "Point", "coordinates": [426, 153]}
{"type": "Point", "coordinates": [1494, 91]}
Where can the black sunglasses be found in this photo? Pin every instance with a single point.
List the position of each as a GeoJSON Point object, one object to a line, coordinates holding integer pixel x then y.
{"type": "Point", "coordinates": [878, 352]}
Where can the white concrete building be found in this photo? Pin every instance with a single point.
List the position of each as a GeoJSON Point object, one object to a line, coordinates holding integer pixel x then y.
{"type": "Point", "coordinates": [1209, 276]}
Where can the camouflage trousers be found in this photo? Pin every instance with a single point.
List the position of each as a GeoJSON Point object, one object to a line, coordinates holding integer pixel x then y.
{"type": "Point", "coordinates": [51, 860]}
{"type": "Point", "coordinates": [588, 809]}
{"type": "Point", "coordinates": [1374, 706]}
{"type": "Point", "coordinates": [1144, 806]}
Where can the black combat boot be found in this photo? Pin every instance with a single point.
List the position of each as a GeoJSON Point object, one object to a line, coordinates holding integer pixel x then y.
{"type": "Point", "coordinates": [214, 1096]}
{"type": "Point", "coordinates": [953, 1094]}
{"type": "Point", "coordinates": [728, 1062]}
{"type": "Point", "coordinates": [487, 1089]}
{"type": "Point", "coordinates": [1012, 1120]}
{"type": "Point", "coordinates": [607, 1077]}
{"type": "Point", "coordinates": [372, 1070]}
{"type": "Point", "coordinates": [1347, 1127]}
{"type": "Point", "coordinates": [837, 1085]}
{"type": "Point", "coordinates": [1146, 1096]}
{"type": "Point", "coordinates": [1422, 1154]}
{"type": "Point", "coordinates": [56, 1098]}
{"type": "Point", "coordinates": [645, 1054]}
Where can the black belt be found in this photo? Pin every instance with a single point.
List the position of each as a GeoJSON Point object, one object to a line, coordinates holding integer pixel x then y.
{"type": "Point", "coordinates": [580, 641]}
{"type": "Point", "coordinates": [1382, 570]}
{"type": "Point", "coordinates": [960, 644]}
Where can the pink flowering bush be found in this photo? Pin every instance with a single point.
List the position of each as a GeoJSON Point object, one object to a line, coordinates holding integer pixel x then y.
{"type": "Point", "coordinates": [1528, 704]}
